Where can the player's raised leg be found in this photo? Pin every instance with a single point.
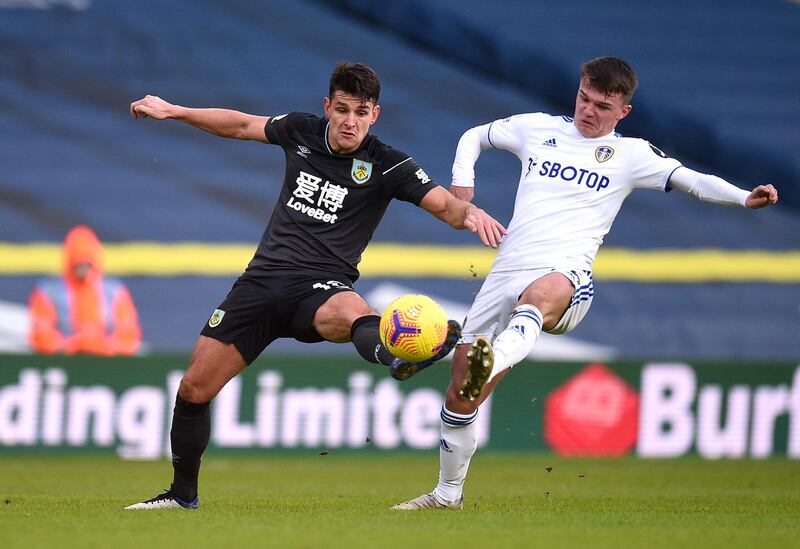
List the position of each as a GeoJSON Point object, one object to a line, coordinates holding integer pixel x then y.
{"type": "Point", "coordinates": [345, 316]}
{"type": "Point", "coordinates": [480, 361]}
{"type": "Point", "coordinates": [402, 369]}
{"type": "Point", "coordinates": [541, 306]}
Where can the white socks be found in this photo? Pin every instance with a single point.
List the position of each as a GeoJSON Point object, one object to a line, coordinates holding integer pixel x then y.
{"type": "Point", "coordinates": [516, 341]}
{"type": "Point", "coordinates": [459, 436]}
{"type": "Point", "coordinates": [457, 445]}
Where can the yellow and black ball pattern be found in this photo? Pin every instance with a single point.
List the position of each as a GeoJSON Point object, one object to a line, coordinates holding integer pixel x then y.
{"type": "Point", "coordinates": [413, 327]}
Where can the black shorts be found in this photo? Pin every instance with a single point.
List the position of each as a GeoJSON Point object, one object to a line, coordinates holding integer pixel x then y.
{"type": "Point", "coordinates": [263, 306]}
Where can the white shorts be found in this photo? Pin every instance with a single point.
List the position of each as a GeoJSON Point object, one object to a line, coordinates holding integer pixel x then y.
{"type": "Point", "coordinates": [492, 308]}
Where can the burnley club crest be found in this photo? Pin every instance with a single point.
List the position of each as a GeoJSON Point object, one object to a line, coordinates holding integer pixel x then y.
{"type": "Point", "coordinates": [361, 171]}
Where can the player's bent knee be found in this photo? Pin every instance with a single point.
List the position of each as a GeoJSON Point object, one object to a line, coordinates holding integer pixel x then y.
{"type": "Point", "coordinates": [191, 390]}
{"type": "Point", "coordinates": [334, 318]}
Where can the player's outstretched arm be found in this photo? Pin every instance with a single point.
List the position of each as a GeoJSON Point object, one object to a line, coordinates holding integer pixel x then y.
{"type": "Point", "coordinates": [461, 214]}
{"type": "Point", "coordinates": [710, 188]}
{"type": "Point", "coordinates": [761, 196]}
{"type": "Point", "coordinates": [221, 122]}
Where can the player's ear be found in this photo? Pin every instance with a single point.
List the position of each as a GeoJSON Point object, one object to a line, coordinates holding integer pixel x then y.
{"type": "Point", "coordinates": [326, 106]}
{"type": "Point", "coordinates": [375, 112]}
{"type": "Point", "coordinates": [626, 110]}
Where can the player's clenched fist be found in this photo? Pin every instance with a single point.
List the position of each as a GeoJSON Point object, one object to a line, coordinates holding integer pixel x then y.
{"type": "Point", "coordinates": [761, 196]}
{"type": "Point", "coordinates": [152, 106]}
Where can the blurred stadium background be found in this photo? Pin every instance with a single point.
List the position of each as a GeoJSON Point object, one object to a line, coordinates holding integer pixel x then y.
{"type": "Point", "coordinates": [677, 280]}
{"type": "Point", "coordinates": [718, 91]}
{"type": "Point", "coordinates": [691, 348]}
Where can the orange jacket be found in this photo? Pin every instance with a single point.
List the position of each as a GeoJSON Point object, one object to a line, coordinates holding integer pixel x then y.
{"type": "Point", "coordinates": [88, 314]}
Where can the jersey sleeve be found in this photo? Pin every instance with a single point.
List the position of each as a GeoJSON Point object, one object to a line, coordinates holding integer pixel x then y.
{"type": "Point", "coordinates": [405, 179]}
{"type": "Point", "coordinates": [279, 129]}
{"type": "Point", "coordinates": [509, 134]}
{"type": "Point", "coordinates": [650, 167]}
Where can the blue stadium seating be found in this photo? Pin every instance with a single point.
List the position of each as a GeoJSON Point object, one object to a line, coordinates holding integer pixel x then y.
{"type": "Point", "coordinates": [719, 78]}
{"type": "Point", "coordinates": [71, 154]}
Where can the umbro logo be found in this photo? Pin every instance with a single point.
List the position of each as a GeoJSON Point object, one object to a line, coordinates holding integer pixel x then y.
{"type": "Point", "coordinates": [550, 142]}
{"type": "Point", "coordinates": [328, 285]}
{"type": "Point", "coordinates": [303, 151]}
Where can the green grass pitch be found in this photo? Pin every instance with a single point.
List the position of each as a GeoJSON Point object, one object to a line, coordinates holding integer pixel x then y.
{"type": "Point", "coordinates": [343, 500]}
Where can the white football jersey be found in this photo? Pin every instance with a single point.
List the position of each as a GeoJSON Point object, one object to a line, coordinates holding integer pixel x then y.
{"type": "Point", "coordinates": [570, 188]}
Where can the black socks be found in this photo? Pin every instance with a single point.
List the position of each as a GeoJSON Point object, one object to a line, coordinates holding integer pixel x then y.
{"type": "Point", "coordinates": [366, 337]}
{"type": "Point", "coordinates": [191, 423]}
{"type": "Point", "coordinates": [191, 430]}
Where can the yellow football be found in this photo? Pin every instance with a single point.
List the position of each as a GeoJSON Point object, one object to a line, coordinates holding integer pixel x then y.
{"type": "Point", "coordinates": [413, 327]}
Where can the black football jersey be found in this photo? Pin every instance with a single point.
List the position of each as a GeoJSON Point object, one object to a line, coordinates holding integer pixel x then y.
{"type": "Point", "coordinates": [330, 204]}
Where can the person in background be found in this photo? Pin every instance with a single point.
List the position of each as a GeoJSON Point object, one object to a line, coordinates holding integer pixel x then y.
{"type": "Point", "coordinates": [83, 311]}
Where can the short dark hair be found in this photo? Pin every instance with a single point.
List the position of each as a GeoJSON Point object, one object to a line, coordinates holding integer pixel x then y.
{"type": "Point", "coordinates": [355, 79]}
{"type": "Point", "coordinates": [611, 75]}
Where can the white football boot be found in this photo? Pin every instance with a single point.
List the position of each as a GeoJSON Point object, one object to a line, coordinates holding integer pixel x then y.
{"type": "Point", "coordinates": [167, 500]}
{"type": "Point", "coordinates": [428, 501]}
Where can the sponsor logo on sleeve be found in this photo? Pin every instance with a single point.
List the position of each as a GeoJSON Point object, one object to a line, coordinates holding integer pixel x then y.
{"type": "Point", "coordinates": [422, 176]}
{"type": "Point", "coordinates": [216, 318]}
{"type": "Point", "coordinates": [657, 151]}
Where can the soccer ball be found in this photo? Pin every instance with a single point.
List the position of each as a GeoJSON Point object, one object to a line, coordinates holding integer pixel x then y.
{"type": "Point", "coordinates": [413, 327]}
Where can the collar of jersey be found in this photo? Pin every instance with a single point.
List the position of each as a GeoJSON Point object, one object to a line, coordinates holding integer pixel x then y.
{"type": "Point", "coordinates": [577, 133]}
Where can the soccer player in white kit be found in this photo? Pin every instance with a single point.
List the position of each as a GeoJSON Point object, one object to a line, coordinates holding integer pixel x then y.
{"type": "Point", "coordinates": [576, 172]}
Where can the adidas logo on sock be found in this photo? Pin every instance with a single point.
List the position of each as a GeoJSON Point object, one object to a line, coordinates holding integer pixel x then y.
{"type": "Point", "coordinates": [550, 142]}
{"type": "Point", "coordinates": [443, 445]}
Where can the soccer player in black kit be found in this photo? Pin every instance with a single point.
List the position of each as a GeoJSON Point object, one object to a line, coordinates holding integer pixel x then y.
{"type": "Point", "coordinates": [339, 180]}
